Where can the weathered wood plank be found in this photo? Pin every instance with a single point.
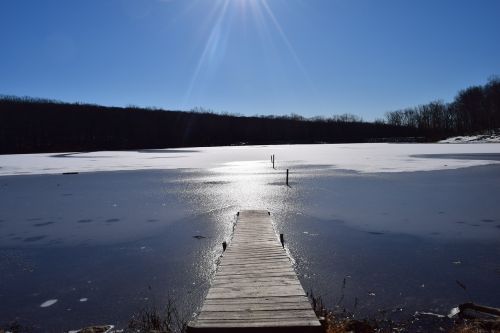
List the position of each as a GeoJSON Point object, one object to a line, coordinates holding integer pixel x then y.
{"type": "Point", "coordinates": [256, 307]}
{"type": "Point", "coordinates": [260, 300]}
{"type": "Point", "coordinates": [300, 325]}
{"type": "Point", "coordinates": [251, 283]}
{"type": "Point", "coordinates": [255, 314]}
{"type": "Point", "coordinates": [255, 286]}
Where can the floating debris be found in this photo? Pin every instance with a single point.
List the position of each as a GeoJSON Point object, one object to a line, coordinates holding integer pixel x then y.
{"type": "Point", "coordinates": [454, 312]}
{"type": "Point", "coordinates": [84, 299]}
{"type": "Point", "coordinates": [48, 303]}
{"type": "Point", "coordinates": [418, 313]}
{"type": "Point", "coordinates": [458, 262]}
{"type": "Point", "coordinates": [199, 237]}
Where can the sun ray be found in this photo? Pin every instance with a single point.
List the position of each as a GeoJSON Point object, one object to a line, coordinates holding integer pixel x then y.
{"type": "Point", "coordinates": [265, 22]}
{"type": "Point", "coordinates": [209, 49]}
{"type": "Point", "coordinates": [286, 41]}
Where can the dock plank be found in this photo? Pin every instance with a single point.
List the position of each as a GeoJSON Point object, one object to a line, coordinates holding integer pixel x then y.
{"type": "Point", "coordinates": [255, 286]}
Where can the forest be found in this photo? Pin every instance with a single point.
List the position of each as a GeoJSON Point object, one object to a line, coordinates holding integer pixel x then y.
{"type": "Point", "coordinates": [474, 109]}
{"type": "Point", "coordinates": [31, 125]}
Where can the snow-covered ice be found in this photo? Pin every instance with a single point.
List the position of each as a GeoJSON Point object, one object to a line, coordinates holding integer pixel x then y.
{"type": "Point", "coordinates": [364, 158]}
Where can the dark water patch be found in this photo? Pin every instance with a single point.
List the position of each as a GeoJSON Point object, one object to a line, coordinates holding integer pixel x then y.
{"type": "Point", "coordinates": [34, 238]}
{"type": "Point", "coordinates": [283, 183]}
{"type": "Point", "coordinates": [75, 155]}
{"type": "Point", "coordinates": [480, 156]}
{"type": "Point", "coordinates": [199, 237]}
{"type": "Point", "coordinates": [460, 222]}
{"type": "Point", "coordinates": [220, 182]}
{"type": "Point", "coordinates": [43, 224]}
{"type": "Point", "coordinates": [67, 194]}
{"type": "Point", "coordinates": [163, 157]}
{"type": "Point", "coordinates": [277, 183]}
{"type": "Point", "coordinates": [34, 219]}
{"type": "Point", "coordinates": [440, 212]}
{"type": "Point", "coordinates": [151, 220]}
{"type": "Point", "coordinates": [167, 151]}
{"type": "Point", "coordinates": [84, 221]}
{"type": "Point", "coordinates": [113, 220]}
{"type": "Point", "coordinates": [313, 167]}
{"type": "Point", "coordinates": [487, 220]}
{"type": "Point", "coordinates": [498, 226]}
{"type": "Point", "coordinates": [2, 221]}
{"type": "Point", "coordinates": [375, 233]}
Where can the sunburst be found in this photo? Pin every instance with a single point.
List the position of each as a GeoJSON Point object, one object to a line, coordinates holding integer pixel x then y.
{"type": "Point", "coordinates": [264, 20]}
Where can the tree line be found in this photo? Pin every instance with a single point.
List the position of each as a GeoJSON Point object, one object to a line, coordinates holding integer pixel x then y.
{"type": "Point", "coordinates": [29, 125]}
{"type": "Point", "coordinates": [474, 109]}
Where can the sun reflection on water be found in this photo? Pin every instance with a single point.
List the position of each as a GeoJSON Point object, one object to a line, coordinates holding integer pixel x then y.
{"type": "Point", "coordinates": [231, 187]}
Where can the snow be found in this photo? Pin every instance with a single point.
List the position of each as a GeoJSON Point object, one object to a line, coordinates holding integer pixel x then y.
{"type": "Point", "coordinates": [48, 303]}
{"type": "Point", "coordinates": [363, 158]}
{"type": "Point", "coordinates": [493, 137]}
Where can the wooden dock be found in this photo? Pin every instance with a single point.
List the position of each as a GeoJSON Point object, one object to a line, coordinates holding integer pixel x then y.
{"type": "Point", "coordinates": [255, 287]}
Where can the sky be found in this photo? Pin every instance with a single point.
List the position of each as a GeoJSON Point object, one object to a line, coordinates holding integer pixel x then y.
{"type": "Point", "coordinates": [309, 57]}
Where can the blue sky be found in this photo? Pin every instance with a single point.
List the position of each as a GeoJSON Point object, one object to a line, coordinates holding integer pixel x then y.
{"type": "Point", "coordinates": [314, 57]}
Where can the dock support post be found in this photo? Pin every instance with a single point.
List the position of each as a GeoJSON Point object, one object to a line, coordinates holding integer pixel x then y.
{"type": "Point", "coordinates": [224, 246]}
{"type": "Point", "coordinates": [286, 177]}
{"type": "Point", "coordinates": [282, 240]}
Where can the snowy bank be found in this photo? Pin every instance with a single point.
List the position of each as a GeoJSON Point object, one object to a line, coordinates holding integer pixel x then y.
{"type": "Point", "coordinates": [492, 137]}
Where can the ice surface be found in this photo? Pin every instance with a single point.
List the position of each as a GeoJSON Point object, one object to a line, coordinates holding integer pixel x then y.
{"type": "Point", "coordinates": [48, 303]}
{"type": "Point", "coordinates": [364, 158]}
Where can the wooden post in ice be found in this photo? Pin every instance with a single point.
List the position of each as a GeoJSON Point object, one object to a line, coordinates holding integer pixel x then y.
{"type": "Point", "coordinates": [272, 159]}
{"type": "Point", "coordinates": [282, 240]}
{"type": "Point", "coordinates": [286, 177]}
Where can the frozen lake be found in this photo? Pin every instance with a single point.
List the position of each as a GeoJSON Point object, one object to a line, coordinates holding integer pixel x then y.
{"type": "Point", "coordinates": [399, 223]}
